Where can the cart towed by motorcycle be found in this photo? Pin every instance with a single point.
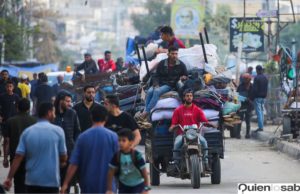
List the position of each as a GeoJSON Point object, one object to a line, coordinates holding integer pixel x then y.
{"type": "Point", "coordinates": [204, 61]}
{"type": "Point", "coordinates": [159, 142]}
{"type": "Point", "coordinates": [159, 147]}
{"type": "Point", "coordinates": [105, 83]}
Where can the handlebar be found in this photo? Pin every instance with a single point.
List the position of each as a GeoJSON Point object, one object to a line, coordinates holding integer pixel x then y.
{"type": "Point", "coordinates": [198, 128]}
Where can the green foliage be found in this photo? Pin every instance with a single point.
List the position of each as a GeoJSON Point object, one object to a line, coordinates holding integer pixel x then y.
{"type": "Point", "coordinates": [14, 38]}
{"type": "Point", "coordinates": [271, 67]}
{"type": "Point", "coordinates": [159, 13]}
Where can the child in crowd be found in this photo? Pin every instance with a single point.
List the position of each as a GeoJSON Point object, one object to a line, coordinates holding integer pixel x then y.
{"type": "Point", "coordinates": [128, 166]}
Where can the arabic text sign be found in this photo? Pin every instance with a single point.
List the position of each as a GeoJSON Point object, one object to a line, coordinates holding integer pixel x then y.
{"type": "Point", "coordinates": [253, 31]}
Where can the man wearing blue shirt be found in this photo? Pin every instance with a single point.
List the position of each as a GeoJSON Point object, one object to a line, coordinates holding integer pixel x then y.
{"type": "Point", "coordinates": [92, 154]}
{"type": "Point", "coordinates": [43, 146]}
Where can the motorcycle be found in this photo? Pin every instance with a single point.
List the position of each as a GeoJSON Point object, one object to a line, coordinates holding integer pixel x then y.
{"type": "Point", "coordinates": [189, 164]}
{"type": "Point", "coordinates": [159, 151]}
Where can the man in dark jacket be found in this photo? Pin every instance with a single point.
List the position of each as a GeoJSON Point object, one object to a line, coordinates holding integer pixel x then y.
{"type": "Point", "coordinates": [13, 130]}
{"type": "Point", "coordinates": [168, 73]}
{"type": "Point", "coordinates": [4, 78]}
{"type": "Point", "coordinates": [67, 119]}
{"type": "Point", "coordinates": [259, 93]}
{"type": "Point", "coordinates": [8, 103]}
{"type": "Point", "coordinates": [89, 65]}
{"type": "Point", "coordinates": [44, 92]}
{"type": "Point", "coordinates": [84, 108]}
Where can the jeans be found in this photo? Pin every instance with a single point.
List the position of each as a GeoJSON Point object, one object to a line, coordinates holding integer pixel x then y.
{"type": "Point", "coordinates": [201, 140]}
{"type": "Point", "coordinates": [153, 95]}
{"type": "Point", "coordinates": [259, 109]}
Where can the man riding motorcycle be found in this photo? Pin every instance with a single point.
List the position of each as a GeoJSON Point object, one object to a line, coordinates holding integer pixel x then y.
{"type": "Point", "coordinates": [189, 114]}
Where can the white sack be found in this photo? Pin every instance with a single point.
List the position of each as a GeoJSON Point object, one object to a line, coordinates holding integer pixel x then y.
{"type": "Point", "coordinates": [210, 113]}
{"type": "Point", "coordinates": [192, 57]}
{"type": "Point", "coordinates": [164, 114]}
{"type": "Point", "coordinates": [149, 50]}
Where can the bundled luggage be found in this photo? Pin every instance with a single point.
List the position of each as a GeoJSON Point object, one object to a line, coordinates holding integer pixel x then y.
{"type": "Point", "coordinates": [164, 109]}
{"type": "Point", "coordinates": [191, 57]}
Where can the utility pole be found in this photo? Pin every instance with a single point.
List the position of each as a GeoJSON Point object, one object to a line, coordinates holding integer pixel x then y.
{"type": "Point", "coordinates": [240, 49]}
{"type": "Point", "coordinates": [269, 32]}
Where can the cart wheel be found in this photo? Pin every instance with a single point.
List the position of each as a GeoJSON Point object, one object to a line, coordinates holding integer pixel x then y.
{"type": "Point", "coordinates": [232, 132]}
{"type": "Point", "coordinates": [154, 175]}
{"type": "Point", "coordinates": [216, 170]}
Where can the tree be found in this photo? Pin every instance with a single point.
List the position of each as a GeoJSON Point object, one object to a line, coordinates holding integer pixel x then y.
{"type": "Point", "coordinates": [17, 34]}
{"type": "Point", "coordinates": [158, 13]}
{"type": "Point", "coordinates": [45, 46]}
{"type": "Point", "coordinates": [13, 38]}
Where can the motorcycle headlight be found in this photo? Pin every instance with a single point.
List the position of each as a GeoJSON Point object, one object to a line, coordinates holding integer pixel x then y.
{"type": "Point", "coordinates": [191, 134]}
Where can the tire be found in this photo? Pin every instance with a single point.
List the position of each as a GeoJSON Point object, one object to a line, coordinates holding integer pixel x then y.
{"type": "Point", "coordinates": [216, 170]}
{"type": "Point", "coordinates": [195, 171]}
{"type": "Point", "coordinates": [154, 176]}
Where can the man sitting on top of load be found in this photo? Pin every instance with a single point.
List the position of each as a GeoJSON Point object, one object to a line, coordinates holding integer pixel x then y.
{"type": "Point", "coordinates": [89, 65]}
{"type": "Point", "coordinates": [167, 35]}
{"type": "Point", "coordinates": [168, 73]}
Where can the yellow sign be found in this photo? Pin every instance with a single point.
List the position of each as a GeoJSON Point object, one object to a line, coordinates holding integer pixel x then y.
{"type": "Point", "coordinates": [187, 18]}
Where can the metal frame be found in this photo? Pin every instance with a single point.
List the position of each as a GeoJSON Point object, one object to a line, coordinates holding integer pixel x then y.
{"type": "Point", "coordinates": [292, 55]}
{"type": "Point", "coordinates": [279, 26]}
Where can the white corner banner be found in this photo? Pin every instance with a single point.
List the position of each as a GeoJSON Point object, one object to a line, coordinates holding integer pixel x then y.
{"type": "Point", "coordinates": [268, 188]}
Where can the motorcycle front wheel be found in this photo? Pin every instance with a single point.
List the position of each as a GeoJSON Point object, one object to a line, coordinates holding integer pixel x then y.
{"type": "Point", "coordinates": [195, 171]}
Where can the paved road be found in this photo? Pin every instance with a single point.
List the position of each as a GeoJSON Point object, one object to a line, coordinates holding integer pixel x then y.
{"type": "Point", "coordinates": [245, 161]}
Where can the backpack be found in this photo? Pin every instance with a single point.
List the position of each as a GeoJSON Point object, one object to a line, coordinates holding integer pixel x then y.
{"type": "Point", "coordinates": [133, 154]}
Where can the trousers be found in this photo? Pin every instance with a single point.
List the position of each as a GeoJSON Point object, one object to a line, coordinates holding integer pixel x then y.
{"type": "Point", "coordinates": [201, 140]}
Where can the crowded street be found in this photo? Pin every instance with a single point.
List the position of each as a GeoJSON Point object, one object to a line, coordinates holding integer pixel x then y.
{"type": "Point", "coordinates": [246, 161]}
{"type": "Point", "coordinates": [150, 96]}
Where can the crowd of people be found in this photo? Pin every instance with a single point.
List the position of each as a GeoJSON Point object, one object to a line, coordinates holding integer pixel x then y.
{"type": "Point", "coordinates": [45, 148]}
{"type": "Point", "coordinates": [48, 142]}
{"type": "Point", "coordinates": [52, 145]}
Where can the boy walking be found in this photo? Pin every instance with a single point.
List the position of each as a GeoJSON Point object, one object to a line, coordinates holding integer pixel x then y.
{"type": "Point", "coordinates": [128, 166]}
